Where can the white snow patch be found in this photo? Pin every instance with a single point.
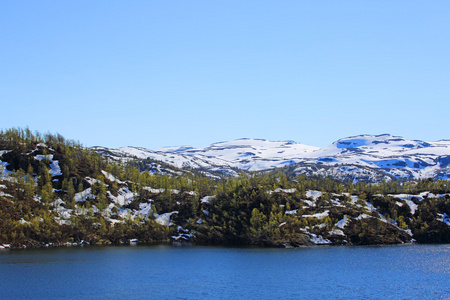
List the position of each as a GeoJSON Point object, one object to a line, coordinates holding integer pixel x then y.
{"type": "Point", "coordinates": [408, 199]}
{"type": "Point", "coordinates": [313, 194]}
{"type": "Point", "coordinates": [55, 169]}
{"type": "Point", "coordinates": [22, 221]}
{"type": "Point", "coordinates": [111, 177]}
{"type": "Point", "coordinates": [154, 191]}
{"type": "Point", "coordinates": [62, 221]}
{"type": "Point", "coordinates": [114, 221]}
{"type": "Point", "coordinates": [370, 207]}
{"type": "Point", "coordinates": [164, 219]}
{"type": "Point", "coordinates": [412, 206]}
{"type": "Point", "coordinates": [318, 215]}
{"type": "Point", "coordinates": [57, 202]}
{"type": "Point", "coordinates": [291, 212]}
{"type": "Point", "coordinates": [431, 195]}
{"type": "Point", "coordinates": [126, 213]}
{"type": "Point", "coordinates": [48, 157]}
{"type": "Point", "coordinates": [180, 228]}
{"type": "Point", "coordinates": [336, 202]}
{"type": "Point", "coordinates": [125, 196]}
{"type": "Point", "coordinates": [444, 218]}
{"type": "Point", "coordinates": [92, 180]}
{"type": "Point", "coordinates": [145, 210]}
{"type": "Point", "coordinates": [425, 194]}
{"type": "Point", "coordinates": [336, 232]}
{"type": "Point", "coordinates": [342, 223]}
{"type": "Point", "coordinates": [84, 195]}
{"type": "Point", "coordinates": [64, 213]}
{"type": "Point", "coordinates": [363, 216]}
{"type": "Point", "coordinates": [278, 190]}
{"type": "Point", "coordinates": [5, 195]}
{"type": "Point", "coordinates": [320, 226]}
{"type": "Point", "coordinates": [207, 199]}
{"type": "Point", "coordinates": [384, 219]}
{"type": "Point", "coordinates": [319, 240]}
{"type": "Point", "coordinates": [310, 203]}
{"type": "Point", "coordinates": [3, 171]}
{"type": "Point", "coordinates": [353, 199]}
{"type": "Point", "coordinates": [79, 211]}
{"type": "Point", "coordinates": [183, 236]}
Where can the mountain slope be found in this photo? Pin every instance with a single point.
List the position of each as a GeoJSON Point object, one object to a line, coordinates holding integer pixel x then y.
{"type": "Point", "coordinates": [226, 157]}
{"type": "Point", "coordinates": [371, 158]}
{"type": "Point", "coordinates": [394, 157]}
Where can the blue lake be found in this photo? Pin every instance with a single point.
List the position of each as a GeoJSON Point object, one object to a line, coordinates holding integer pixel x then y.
{"type": "Point", "coordinates": [167, 272]}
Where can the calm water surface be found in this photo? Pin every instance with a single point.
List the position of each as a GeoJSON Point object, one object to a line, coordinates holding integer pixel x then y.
{"type": "Point", "coordinates": [165, 272]}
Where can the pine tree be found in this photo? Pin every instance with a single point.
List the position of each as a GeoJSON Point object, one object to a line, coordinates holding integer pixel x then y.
{"type": "Point", "coordinates": [70, 200]}
{"type": "Point", "coordinates": [99, 190]}
{"type": "Point", "coordinates": [258, 221]}
{"type": "Point", "coordinates": [47, 193]}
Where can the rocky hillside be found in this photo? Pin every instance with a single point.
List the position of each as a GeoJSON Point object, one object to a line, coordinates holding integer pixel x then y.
{"type": "Point", "coordinates": [53, 191]}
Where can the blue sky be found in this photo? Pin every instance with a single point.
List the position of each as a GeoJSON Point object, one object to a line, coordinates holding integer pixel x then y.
{"type": "Point", "coordinates": [165, 73]}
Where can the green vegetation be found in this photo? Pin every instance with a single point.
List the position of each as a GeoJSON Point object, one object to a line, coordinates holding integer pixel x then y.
{"type": "Point", "coordinates": [55, 191]}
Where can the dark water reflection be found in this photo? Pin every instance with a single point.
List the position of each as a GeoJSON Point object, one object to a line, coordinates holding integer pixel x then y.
{"type": "Point", "coordinates": [164, 272]}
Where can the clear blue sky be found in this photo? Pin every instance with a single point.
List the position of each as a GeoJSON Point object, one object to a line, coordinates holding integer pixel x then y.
{"type": "Point", "coordinates": [164, 73]}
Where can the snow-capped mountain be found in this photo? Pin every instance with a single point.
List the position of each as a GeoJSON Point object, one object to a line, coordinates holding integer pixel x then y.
{"type": "Point", "coordinates": [370, 158]}
{"type": "Point", "coordinates": [224, 157]}
{"type": "Point", "coordinates": [374, 158]}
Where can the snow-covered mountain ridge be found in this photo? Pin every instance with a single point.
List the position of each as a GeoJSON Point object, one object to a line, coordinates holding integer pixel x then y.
{"type": "Point", "coordinates": [370, 158]}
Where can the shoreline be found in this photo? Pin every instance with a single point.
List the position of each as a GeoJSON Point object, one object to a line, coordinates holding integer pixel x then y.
{"type": "Point", "coordinates": [175, 244]}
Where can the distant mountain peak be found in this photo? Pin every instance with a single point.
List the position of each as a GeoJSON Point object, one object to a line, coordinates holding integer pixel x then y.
{"type": "Point", "coordinates": [363, 157]}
